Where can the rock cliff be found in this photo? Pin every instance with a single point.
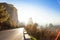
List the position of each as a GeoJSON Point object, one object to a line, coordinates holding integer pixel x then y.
{"type": "Point", "coordinates": [8, 16]}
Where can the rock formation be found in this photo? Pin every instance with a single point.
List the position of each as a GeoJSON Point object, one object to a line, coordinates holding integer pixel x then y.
{"type": "Point", "coordinates": [8, 16]}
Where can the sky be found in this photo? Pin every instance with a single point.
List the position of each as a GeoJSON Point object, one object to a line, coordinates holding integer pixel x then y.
{"type": "Point", "coordinates": [41, 11]}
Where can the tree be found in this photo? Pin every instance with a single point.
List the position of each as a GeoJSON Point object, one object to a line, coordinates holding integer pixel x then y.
{"type": "Point", "coordinates": [3, 14]}
{"type": "Point", "coordinates": [50, 25]}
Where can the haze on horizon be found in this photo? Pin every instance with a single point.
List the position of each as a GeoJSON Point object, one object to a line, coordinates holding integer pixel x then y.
{"type": "Point", "coordinates": [41, 11]}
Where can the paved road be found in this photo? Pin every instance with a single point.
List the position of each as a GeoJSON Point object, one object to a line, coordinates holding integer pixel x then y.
{"type": "Point", "coordinates": [13, 34]}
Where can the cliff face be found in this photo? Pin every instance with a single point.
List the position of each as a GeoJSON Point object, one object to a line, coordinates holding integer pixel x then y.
{"type": "Point", "coordinates": [8, 16]}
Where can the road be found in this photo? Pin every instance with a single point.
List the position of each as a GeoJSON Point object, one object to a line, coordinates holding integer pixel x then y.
{"type": "Point", "coordinates": [13, 34]}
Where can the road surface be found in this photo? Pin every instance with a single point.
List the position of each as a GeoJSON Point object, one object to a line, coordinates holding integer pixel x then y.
{"type": "Point", "coordinates": [13, 34]}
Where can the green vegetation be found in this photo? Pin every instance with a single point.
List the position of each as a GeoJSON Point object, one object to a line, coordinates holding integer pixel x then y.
{"type": "Point", "coordinates": [6, 19]}
{"type": "Point", "coordinates": [32, 38]}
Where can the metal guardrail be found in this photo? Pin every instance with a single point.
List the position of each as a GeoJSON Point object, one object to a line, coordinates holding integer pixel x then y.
{"type": "Point", "coordinates": [26, 36]}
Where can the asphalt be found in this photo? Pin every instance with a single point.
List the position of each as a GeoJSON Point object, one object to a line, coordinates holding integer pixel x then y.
{"type": "Point", "coordinates": [12, 34]}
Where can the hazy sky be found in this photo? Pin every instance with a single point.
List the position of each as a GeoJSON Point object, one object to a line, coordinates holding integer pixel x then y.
{"type": "Point", "coordinates": [41, 11]}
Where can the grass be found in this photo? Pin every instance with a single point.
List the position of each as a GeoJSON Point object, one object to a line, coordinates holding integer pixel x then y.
{"type": "Point", "coordinates": [32, 38]}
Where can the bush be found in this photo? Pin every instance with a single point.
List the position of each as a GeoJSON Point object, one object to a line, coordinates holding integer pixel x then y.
{"type": "Point", "coordinates": [32, 38]}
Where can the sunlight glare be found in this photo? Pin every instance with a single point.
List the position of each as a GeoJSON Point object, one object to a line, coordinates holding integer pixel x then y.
{"type": "Point", "coordinates": [39, 15]}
